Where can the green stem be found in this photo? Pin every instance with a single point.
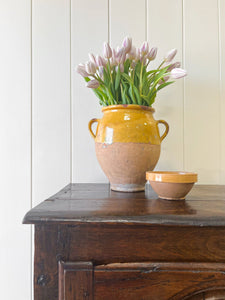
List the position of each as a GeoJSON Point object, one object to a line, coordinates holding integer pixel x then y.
{"type": "Point", "coordinates": [141, 77]}
{"type": "Point", "coordinates": [161, 64]}
{"type": "Point", "coordinates": [110, 70]}
{"type": "Point", "coordinates": [98, 78]}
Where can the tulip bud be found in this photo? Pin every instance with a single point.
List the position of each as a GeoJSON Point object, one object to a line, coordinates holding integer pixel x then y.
{"type": "Point", "coordinates": [133, 64]}
{"type": "Point", "coordinates": [166, 78]}
{"type": "Point", "coordinates": [101, 72]}
{"type": "Point", "coordinates": [90, 67]}
{"type": "Point", "coordinates": [93, 84]}
{"type": "Point", "coordinates": [104, 62]}
{"type": "Point", "coordinates": [139, 54]}
{"type": "Point", "coordinates": [170, 55]}
{"type": "Point", "coordinates": [144, 48]}
{"type": "Point", "coordinates": [81, 70]}
{"type": "Point", "coordinates": [107, 51]}
{"type": "Point", "coordinates": [178, 73]}
{"type": "Point", "coordinates": [121, 66]}
{"type": "Point", "coordinates": [152, 53]}
{"type": "Point", "coordinates": [92, 58]}
{"type": "Point", "coordinates": [143, 59]}
{"type": "Point", "coordinates": [119, 54]}
{"type": "Point", "coordinates": [113, 60]}
{"type": "Point", "coordinates": [99, 61]}
{"type": "Point", "coordinates": [172, 66]}
{"type": "Point", "coordinates": [123, 58]}
{"type": "Point", "coordinates": [127, 44]}
{"type": "Point", "coordinates": [132, 54]}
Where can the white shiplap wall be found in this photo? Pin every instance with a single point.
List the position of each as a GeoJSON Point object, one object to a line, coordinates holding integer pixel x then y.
{"type": "Point", "coordinates": [45, 107]}
{"type": "Point", "coordinates": [15, 148]}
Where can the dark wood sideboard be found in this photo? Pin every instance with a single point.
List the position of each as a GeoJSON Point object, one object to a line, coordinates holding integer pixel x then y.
{"type": "Point", "coordinates": [93, 243]}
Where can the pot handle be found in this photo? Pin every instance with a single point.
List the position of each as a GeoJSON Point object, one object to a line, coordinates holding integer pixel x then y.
{"type": "Point", "coordinates": [90, 127]}
{"type": "Point", "coordinates": [166, 130]}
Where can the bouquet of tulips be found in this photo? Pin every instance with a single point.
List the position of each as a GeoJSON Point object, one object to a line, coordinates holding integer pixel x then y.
{"type": "Point", "coordinates": [122, 76]}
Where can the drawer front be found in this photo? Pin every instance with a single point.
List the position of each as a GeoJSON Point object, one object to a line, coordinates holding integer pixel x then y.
{"type": "Point", "coordinates": [140, 281]}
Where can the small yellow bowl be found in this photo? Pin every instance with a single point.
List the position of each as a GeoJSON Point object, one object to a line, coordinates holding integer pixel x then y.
{"type": "Point", "coordinates": [171, 185]}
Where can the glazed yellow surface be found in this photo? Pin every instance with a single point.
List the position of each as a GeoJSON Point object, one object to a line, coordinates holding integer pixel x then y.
{"type": "Point", "coordinates": [128, 124]}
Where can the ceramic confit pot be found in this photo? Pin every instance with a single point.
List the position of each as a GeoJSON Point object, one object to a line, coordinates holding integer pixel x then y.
{"type": "Point", "coordinates": [127, 144]}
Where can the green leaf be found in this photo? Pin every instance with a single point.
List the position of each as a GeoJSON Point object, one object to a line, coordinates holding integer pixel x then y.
{"type": "Point", "coordinates": [136, 92]}
{"type": "Point", "coordinates": [138, 69]}
{"type": "Point", "coordinates": [151, 72]}
{"type": "Point", "coordinates": [161, 86]}
{"type": "Point", "coordinates": [123, 94]}
{"type": "Point", "coordinates": [157, 76]}
{"type": "Point", "coordinates": [126, 66]}
{"type": "Point", "coordinates": [127, 78]}
{"type": "Point", "coordinates": [128, 99]}
{"type": "Point", "coordinates": [87, 79]}
{"type": "Point", "coordinates": [117, 81]}
{"type": "Point", "coordinates": [152, 100]}
{"type": "Point", "coordinates": [131, 94]}
{"type": "Point", "coordinates": [106, 77]}
{"type": "Point", "coordinates": [110, 97]}
{"type": "Point", "coordinates": [151, 96]}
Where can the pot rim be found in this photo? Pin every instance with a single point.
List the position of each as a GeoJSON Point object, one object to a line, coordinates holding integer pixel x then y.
{"type": "Point", "coordinates": [128, 106]}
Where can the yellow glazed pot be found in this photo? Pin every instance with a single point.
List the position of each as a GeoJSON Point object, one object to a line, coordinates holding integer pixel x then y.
{"type": "Point", "coordinates": [127, 144]}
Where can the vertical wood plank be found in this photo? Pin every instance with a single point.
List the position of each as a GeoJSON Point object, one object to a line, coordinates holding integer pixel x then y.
{"type": "Point", "coordinates": [164, 28]}
{"type": "Point", "coordinates": [127, 18]}
{"type": "Point", "coordinates": [88, 32]}
{"type": "Point", "coordinates": [51, 97]}
{"type": "Point", "coordinates": [76, 281]}
{"type": "Point", "coordinates": [15, 149]}
{"type": "Point", "coordinates": [222, 85]}
{"type": "Point", "coordinates": [202, 102]}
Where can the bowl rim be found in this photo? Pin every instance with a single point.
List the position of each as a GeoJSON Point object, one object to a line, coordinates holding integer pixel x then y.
{"type": "Point", "coordinates": [172, 176]}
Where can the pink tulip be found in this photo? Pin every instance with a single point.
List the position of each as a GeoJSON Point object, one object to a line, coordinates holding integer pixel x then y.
{"type": "Point", "coordinates": [107, 51]}
{"type": "Point", "coordinates": [113, 60]}
{"type": "Point", "coordinates": [166, 78]}
{"type": "Point", "coordinates": [127, 44]}
{"type": "Point", "coordinates": [93, 84]}
{"type": "Point", "coordinates": [173, 66]}
{"type": "Point", "coordinates": [139, 55]}
{"type": "Point", "coordinates": [121, 66]}
{"type": "Point", "coordinates": [81, 70]}
{"type": "Point", "coordinates": [100, 61]}
{"type": "Point", "coordinates": [133, 64]}
{"type": "Point", "coordinates": [170, 55]}
{"type": "Point", "coordinates": [119, 54]}
{"type": "Point", "coordinates": [92, 58]}
{"type": "Point", "coordinates": [90, 67]}
{"type": "Point", "coordinates": [123, 58]}
{"type": "Point", "coordinates": [143, 59]}
{"type": "Point", "coordinates": [152, 53]}
{"type": "Point", "coordinates": [101, 72]}
{"type": "Point", "coordinates": [178, 73]}
{"type": "Point", "coordinates": [132, 54]}
{"type": "Point", "coordinates": [144, 48]}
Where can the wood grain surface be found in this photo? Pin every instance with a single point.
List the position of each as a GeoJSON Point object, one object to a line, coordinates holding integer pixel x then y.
{"type": "Point", "coordinates": [82, 203]}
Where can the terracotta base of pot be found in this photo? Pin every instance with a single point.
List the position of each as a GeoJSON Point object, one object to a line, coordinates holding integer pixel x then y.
{"type": "Point", "coordinates": [125, 164]}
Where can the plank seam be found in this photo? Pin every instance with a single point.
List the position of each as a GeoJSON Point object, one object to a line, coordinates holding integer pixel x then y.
{"type": "Point", "coordinates": [31, 145]}
{"type": "Point", "coordinates": [71, 102]}
{"type": "Point", "coordinates": [220, 84]}
{"type": "Point", "coordinates": [184, 79]}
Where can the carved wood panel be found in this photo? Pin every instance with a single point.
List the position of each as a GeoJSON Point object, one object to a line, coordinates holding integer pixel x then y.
{"type": "Point", "coordinates": [142, 281]}
{"type": "Point", "coordinates": [211, 295]}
